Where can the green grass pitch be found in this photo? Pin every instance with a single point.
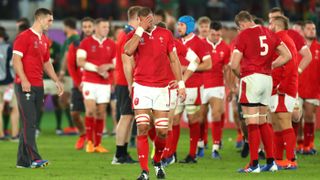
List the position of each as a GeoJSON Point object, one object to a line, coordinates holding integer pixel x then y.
{"type": "Point", "coordinates": [70, 164]}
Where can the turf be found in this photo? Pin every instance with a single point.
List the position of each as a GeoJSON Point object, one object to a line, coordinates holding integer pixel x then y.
{"type": "Point", "coordinates": [70, 164]}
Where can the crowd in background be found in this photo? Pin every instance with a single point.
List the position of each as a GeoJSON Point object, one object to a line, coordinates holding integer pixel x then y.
{"type": "Point", "coordinates": [223, 10]}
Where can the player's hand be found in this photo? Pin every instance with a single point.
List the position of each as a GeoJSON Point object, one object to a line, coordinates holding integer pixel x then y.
{"type": "Point", "coordinates": [26, 86]}
{"type": "Point", "coordinates": [61, 76]}
{"type": "Point", "coordinates": [173, 84]}
{"type": "Point", "coordinates": [182, 94]}
{"type": "Point", "coordinates": [146, 22]}
{"type": "Point", "coordinates": [59, 86]}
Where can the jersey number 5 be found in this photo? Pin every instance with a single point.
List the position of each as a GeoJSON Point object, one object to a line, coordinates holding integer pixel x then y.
{"type": "Point", "coordinates": [263, 45]}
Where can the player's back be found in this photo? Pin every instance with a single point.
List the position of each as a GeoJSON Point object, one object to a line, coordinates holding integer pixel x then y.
{"type": "Point", "coordinates": [258, 45]}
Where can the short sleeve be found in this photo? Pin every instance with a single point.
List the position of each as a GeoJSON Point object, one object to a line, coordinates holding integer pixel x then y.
{"type": "Point", "coordinates": [20, 45]}
{"type": "Point", "coordinates": [240, 43]}
{"type": "Point", "coordinates": [82, 50]}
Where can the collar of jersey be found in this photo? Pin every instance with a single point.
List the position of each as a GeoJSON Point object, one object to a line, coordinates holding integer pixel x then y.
{"type": "Point", "coordinates": [214, 45]}
{"type": "Point", "coordinates": [254, 26]}
{"type": "Point", "coordinates": [97, 39]}
{"type": "Point", "coordinates": [36, 33]}
{"type": "Point", "coordinates": [154, 28]}
{"type": "Point", "coordinates": [184, 41]}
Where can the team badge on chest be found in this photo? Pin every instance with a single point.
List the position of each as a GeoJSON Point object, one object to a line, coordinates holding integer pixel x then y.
{"type": "Point", "coordinates": [93, 48]}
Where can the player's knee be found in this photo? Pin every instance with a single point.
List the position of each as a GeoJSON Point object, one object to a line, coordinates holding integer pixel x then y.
{"type": "Point", "coordinates": [216, 115]}
{"type": "Point", "coordinates": [161, 123]}
{"type": "Point", "coordinates": [90, 112]}
{"type": "Point", "coordinates": [143, 122]}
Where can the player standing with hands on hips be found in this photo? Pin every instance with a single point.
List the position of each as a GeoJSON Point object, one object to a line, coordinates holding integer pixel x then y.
{"type": "Point", "coordinates": [30, 58]}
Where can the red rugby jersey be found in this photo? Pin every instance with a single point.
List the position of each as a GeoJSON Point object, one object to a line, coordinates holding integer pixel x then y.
{"type": "Point", "coordinates": [98, 53]}
{"type": "Point", "coordinates": [34, 50]}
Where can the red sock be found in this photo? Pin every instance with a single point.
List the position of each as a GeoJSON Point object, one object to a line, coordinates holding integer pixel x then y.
{"type": "Point", "coordinates": [89, 122]}
{"type": "Point", "coordinates": [152, 133]}
{"type": "Point", "coordinates": [308, 133]}
{"type": "Point", "coordinates": [98, 130]}
{"type": "Point", "coordinates": [175, 138]}
{"type": "Point", "coordinates": [254, 141]}
{"type": "Point", "coordinates": [296, 128]}
{"type": "Point", "coordinates": [201, 131]}
{"type": "Point", "coordinates": [222, 120]}
{"type": "Point", "coordinates": [167, 149]}
{"type": "Point", "coordinates": [143, 151]}
{"type": "Point", "coordinates": [216, 131]}
{"type": "Point", "coordinates": [265, 132]}
{"type": "Point", "coordinates": [194, 137]}
{"type": "Point", "coordinates": [160, 144]}
{"type": "Point", "coordinates": [289, 140]}
{"type": "Point", "coordinates": [278, 145]}
{"type": "Point", "coordinates": [205, 135]}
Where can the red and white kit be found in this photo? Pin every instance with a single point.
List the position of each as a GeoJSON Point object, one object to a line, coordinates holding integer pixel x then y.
{"type": "Point", "coordinates": [255, 67]}
{"type": "Point", "coordinates": [285, 79]}
{"type": "Point", "coordinates": [213, 79]}
{"type": "Point", "coordinates": [97, 52]}
{"type": "Point", "coordinates": [152, 69]}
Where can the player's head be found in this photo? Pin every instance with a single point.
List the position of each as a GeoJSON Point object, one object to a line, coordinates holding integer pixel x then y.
{"type": "Point", "coordinates": [69, 25]}
{"type": "Point", "coordinates": [160, 16]}
{"type": "Point", "coordinates": [297, 26]}
{"type": "Point", "coordinates": [44, 18]}
{"type": "Point", "coordinates": [203, 24]}
{"type": "Point", "coordinates": [87, 26]}
{"type": "Point", "coordinates": [23, 20]}
{"type": "Point", "coordinates": [143, 13]}
{"type": "Point", "coordinates": [243, 20]}
{"type": "Point", "coordinates": [278, 23]}
{"type": "Point", "coordinates": [102, 27]}
{"type": "Point", "coordinates": [276, 11]}
{"type": "Point", "coordinates": [309, 30]}
{"type": "Point", "coordinates": [133, 16]}
{"type": "Point", "coordinates": [215, 31]}
{"type": "Point", "coordinates": [3, 35]}
{"type": "Point", "coordinates": [22, 27]}
{"type": "Point", "coordinates": [186, 25]}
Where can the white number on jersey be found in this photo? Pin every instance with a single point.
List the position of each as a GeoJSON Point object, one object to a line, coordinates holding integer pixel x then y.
{"type": "Point", "coordinates": [263, 45]}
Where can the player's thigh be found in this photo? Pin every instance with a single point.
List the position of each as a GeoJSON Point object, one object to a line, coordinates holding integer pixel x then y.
{"type": "Point", "coordinates": [161, 100]}
{"type": "Point", "coordinates": [255, 89]}
{"type": "Point", "coordinates": [161, 121]}
{"type": "Point", "coordinates": [216, 105]}
{"type": "Point", "coordinates": [142, 97]}
{"type": "Point", "coordinates": [284, 119]}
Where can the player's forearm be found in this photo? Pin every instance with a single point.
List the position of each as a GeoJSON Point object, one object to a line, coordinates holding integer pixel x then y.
{"type": "Point", "coordinates": [175, 66]}
{"type": "Point", "coordinates": [48, 69]}
{"type": "Point", "coordinates": [63, 67]}
{"type": "Point", "coordinates": [306, 59]}
{"type": "Point", "coordinates": [186, 75]}
{"type": "Point", "coordinates": [18, 67]}
{"type": "Point", "coordinates": [131, 46]}
{"type": "Point", "coordinates": [205, 65]}
{"type": "Point", "coordinates": [127, 68]}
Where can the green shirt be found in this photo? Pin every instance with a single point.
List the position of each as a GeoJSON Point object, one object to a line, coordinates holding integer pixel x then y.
{"type": "Point", "coordinates": [55, 57]}
{"type": "Point", "coordinates": [66, 44]}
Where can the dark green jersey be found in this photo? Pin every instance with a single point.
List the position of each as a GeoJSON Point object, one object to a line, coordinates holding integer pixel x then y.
{"type": "Point", "coordinates": [66, 44]}
{"type": "Point", "coordinates": [55, 57]}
